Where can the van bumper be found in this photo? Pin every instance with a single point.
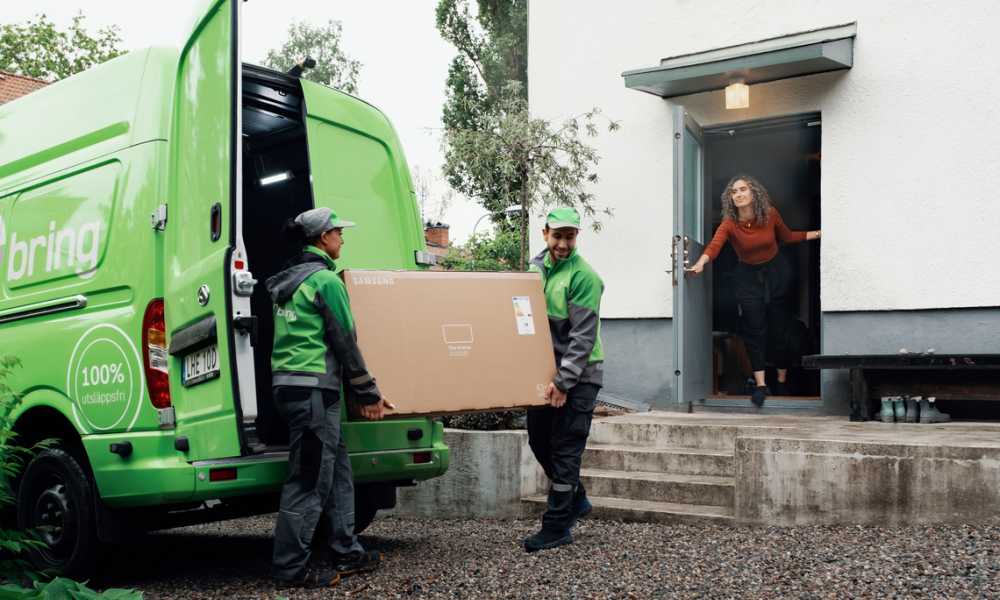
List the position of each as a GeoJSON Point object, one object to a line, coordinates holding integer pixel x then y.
{"type": "Point", "coordinates": [157, 474]}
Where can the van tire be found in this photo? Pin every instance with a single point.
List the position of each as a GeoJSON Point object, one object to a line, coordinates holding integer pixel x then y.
{"type": "Point", "coordinates": [56, 491]}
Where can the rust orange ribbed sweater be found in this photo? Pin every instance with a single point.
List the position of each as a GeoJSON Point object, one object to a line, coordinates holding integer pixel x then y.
{"type": "Point", "coordinates": [754, 244]}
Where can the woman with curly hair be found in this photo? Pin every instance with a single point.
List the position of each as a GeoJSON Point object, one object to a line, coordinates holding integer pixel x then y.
{"type": "Point", "coordinates": [763, 277]}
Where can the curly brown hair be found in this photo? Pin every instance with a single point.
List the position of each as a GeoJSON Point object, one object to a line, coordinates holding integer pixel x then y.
{"type": "Point", "coordinates": [761, 200]}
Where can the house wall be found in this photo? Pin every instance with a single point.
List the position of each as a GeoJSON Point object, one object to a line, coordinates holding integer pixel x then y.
{"type": "Point", "coordinates": [908, 152]}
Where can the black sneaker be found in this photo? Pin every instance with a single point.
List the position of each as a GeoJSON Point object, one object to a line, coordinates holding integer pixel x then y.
{"type": "Point", "coordinates": [758, 395]}
{"type": "Point", "coordinates": [356, 562]}
{"type": "Point", "coordinates": [781, 388]}
{"type": "Point", "coordinates": [313, 578]}
{"type": "Point", "coordinates": [545, 539]}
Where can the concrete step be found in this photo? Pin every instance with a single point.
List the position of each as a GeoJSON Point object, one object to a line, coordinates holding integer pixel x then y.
{"type": "Point", "coordinates": [643, 511]}
{"type": "Point", "coordinates": [659, 487]}
{"type": "Point", "coordinates": [774, 405]}
{"type": "Point", "coordinates": [681, 461]}
{"type": "Point", "coordinates": [652, 433]}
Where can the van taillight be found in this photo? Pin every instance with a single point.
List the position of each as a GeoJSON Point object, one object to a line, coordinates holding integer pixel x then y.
{"type": "Point", "coordinates": [154, 342]}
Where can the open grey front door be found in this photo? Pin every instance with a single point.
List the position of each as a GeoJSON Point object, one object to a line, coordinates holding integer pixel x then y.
{"type": "Point", "coordinates": [692, 293]}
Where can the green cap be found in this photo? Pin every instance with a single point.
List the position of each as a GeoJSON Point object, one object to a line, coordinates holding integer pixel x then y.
{"type": "Point", "coordinates": [563, 217]}
{"type": "Point", "coordinates": [318, 221]}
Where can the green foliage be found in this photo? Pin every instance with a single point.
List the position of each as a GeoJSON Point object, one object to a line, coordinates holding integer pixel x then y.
{"type": "Point", "coordinates": [492, 52]}
{"type": "Point", "coordinates": [13, 543]}
{"type": "Point", "coordinates": [530, 161]}
{"type": "Point", "coordinates": [485, 253]}
{"type": "Point", "coordinates": [488, 421]}
{"type": "Point", "coordinates": [38, 49]}
{"type": "Point", "coordinates": [61, 588]}
{"type": "Point", "coordinates": [322, 43]}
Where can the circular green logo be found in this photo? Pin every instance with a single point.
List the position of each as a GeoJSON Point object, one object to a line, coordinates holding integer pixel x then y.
{"type": "Point", "coordinates": [104, 378]}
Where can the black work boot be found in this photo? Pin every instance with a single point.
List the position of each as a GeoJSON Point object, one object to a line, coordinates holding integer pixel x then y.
{"type": "Point", "coordinates": [356, 562]}
{"type": "Point", "coordinates": [581, 505]}
{"type": "Point", "coordinates": [312, 578]}
{"type": "Point", "coordinates": [558, 518]}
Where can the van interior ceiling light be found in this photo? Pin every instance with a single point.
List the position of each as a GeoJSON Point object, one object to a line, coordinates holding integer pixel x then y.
{"type": "Point", "coordinates": [276, 178]}
{"type": "Point", "coordinates": [737, 95]}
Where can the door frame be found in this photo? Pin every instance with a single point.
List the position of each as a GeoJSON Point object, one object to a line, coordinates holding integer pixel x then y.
{"type": "Point", "coordinates": [678, 260]}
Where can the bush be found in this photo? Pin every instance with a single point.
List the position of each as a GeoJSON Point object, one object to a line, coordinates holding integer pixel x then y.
{"type": "Point", "coordinates": [488, 421]}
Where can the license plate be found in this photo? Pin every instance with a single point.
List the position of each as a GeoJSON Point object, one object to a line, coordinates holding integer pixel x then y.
{"type": "Point", "coordinates": [201, 365]}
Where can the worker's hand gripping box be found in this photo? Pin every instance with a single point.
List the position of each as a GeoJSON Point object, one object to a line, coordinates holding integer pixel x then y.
{"type": "Point", "coordinates": [445, 342]}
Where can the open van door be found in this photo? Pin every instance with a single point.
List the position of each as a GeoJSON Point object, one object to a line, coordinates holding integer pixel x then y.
{"type": "Point", "coordinates": [202, 240]}
{"type": "Point", "coordinates": [358, 169]}
{"type": "Point", "coordinates": [692, 294]}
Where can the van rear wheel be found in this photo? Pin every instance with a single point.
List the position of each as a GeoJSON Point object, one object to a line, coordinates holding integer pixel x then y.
{"type": "Point", "coordinates": [56, 499]}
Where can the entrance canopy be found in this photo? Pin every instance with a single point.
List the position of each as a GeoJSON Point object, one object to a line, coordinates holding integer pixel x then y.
{"type": "Point", "coordinates": [806, 53]}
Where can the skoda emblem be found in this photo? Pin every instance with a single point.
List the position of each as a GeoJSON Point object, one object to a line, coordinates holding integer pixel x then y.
{"type": "Point", "coordinates": [204, 293]}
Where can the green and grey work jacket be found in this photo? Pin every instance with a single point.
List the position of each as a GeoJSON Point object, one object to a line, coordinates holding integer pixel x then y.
{"type": "Point", "coordinates": [573, 298]}
{"type": "Point", "coordinates": [315, 343]}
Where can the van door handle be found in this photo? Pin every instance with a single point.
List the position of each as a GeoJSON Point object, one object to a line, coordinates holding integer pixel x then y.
{"type": "Point", "coordinates": [215, 226]}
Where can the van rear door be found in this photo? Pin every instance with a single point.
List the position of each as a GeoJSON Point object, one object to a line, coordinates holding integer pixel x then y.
{"type": "Point", "coordinates": [201, 246]}
{"type": "Point", "coordinates": [359, 170]}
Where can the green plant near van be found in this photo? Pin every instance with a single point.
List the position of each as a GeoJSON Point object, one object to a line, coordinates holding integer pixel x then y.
{"type": "Point", "coordinates": [140, 202]}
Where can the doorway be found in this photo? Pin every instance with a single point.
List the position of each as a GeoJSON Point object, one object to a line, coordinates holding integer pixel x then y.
{"type": "Point", "coordinates": [784, 154]}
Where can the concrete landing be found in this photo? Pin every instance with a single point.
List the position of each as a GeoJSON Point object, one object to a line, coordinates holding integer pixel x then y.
{"type": "Point", "coordinates": [796, 470]}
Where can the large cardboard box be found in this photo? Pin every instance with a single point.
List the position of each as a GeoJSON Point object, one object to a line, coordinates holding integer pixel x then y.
{"type": "Point", "coordinates": [446, 342]}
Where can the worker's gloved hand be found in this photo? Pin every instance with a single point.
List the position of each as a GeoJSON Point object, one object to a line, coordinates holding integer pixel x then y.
{"type": "Point", "coordinates": [376, 411]}
{"type": "Point", "coordinates": [555, 396]}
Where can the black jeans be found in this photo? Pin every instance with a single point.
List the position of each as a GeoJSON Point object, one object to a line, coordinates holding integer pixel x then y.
{"type": "Point", "coordinates": [557, 436]}
{"type": "Point", "coordinates": [762, 295]}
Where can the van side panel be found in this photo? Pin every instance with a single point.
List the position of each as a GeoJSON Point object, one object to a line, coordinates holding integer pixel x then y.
{"type": "Point", "coordinates": [82, 241]}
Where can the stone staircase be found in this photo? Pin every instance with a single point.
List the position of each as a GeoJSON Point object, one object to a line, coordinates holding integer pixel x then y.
{"type": "Point", "coordinates": [662, 467]}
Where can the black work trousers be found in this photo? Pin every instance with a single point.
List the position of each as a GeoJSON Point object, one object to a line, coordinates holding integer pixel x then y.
{"type": "Point", "coordinates": [557, 437]}
{"type": "Point", "coordinates": [762, 294]}
{"type": "Point", "coordinates": [319, 480]}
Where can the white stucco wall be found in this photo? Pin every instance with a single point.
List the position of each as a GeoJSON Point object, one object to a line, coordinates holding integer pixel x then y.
{"type": "Point", "coordinates": [909, 159]}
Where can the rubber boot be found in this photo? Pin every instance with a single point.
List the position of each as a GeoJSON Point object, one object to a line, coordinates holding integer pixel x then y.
{"type": "Point", "coordinates": [912, 404]}
{"type": "Point", "coordinates": [899, 408]}
{"type": "Point", "coordinates": [929, 412]}
{"type": "Point", "coordinates": [886, 416]}
{"type": "Point", "coordinates": [558, 518]}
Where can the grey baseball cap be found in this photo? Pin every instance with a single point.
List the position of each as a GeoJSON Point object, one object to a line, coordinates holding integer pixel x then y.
{"type": "Point", "coordinates": [318, 221]}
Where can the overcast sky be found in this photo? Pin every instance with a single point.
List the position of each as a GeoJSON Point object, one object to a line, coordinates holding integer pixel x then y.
{"type": "Point", "coordinates": [404, 60]}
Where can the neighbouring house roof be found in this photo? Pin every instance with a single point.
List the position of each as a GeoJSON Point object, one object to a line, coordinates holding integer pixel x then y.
{"type": "Point", "coordinates": [14, 86]}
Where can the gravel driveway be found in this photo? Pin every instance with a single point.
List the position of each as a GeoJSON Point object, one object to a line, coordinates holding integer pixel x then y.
{"type": "Point", "coordinates": [483, 559]}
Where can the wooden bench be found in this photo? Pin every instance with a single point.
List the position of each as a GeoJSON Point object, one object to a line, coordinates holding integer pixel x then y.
{"type": "Point", "coordinates": [945, 376]}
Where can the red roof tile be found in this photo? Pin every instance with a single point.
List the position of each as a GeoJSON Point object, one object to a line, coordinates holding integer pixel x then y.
{"type": "Point", "coordinates": [14, 86]}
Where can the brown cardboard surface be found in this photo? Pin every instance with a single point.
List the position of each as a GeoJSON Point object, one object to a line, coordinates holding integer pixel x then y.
{"type": "Point", "coordinates": [445, 342]}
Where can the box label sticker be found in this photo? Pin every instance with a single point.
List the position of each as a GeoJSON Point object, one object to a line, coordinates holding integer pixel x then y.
{"type": "Point", "coordinates": [522, 315]}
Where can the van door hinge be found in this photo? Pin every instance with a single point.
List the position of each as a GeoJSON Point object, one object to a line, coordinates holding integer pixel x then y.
{"type": "Point", "coordinates": [159, 218]}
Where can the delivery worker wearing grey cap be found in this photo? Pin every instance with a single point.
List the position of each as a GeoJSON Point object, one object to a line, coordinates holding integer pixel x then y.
{"type": "Point", "coordinates": [557, 433]}
{"type": "Point", "coordinates": [315, 355]}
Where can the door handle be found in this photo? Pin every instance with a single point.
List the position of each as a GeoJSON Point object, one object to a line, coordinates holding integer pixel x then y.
{"type": "Point", "coordinates": [673, 260]}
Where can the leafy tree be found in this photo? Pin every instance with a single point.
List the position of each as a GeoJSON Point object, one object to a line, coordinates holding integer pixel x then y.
{"type": "Point", "coordinates": [492, 52]}
{"type": "Point", "coordinates": [322, 43]}
{"type": "Point", "coordinates": [530, 162]}
{"type": "Point", "coordinates": [38, 49]}
{"type": "Point", "coordinates": [485, 253]}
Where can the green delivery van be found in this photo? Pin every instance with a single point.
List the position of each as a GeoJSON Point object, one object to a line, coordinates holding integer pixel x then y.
{"type": "Point", "coordinates": [140, 203]}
